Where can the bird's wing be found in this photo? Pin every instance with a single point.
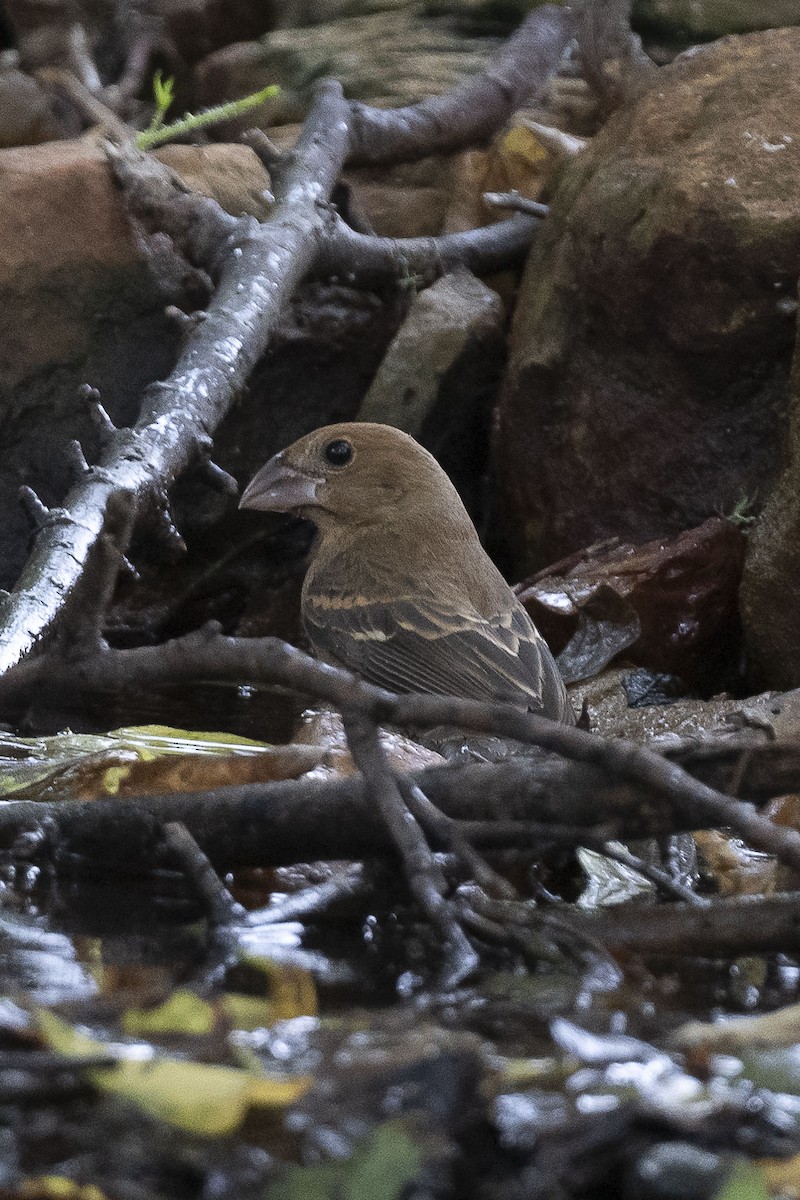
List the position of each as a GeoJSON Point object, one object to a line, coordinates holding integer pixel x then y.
{"type": "Point", "coordinates": [403, 647]}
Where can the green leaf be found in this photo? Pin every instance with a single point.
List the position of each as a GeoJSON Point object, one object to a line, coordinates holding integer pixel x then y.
{"type": "Point", "coordinates": [745, 1182]}
{"type": "Point", "coordinates": [379, 1169]}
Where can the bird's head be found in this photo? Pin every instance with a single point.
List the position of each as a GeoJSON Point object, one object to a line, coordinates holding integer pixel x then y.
{"type": "Point", "coordinates": [352, 473]}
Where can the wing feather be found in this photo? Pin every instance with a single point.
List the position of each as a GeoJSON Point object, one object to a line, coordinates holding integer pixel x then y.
{"type": "Point", "coordinates": [442, 651]}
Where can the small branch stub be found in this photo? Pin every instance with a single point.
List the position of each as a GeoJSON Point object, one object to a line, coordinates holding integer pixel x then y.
{"type": "Point", "coordinates": [37, 512]}
{"type": "Point", "coordinates": [168, 533]}
{"type": "Point", "coordinates": [559, 143]}
{"type": "Point", "coordinates": [218, 478]}
{"type": "Point", "coordinates": [513, 200]}
{"type": "Point", "coordinates": [185, 321]}
{"type": "Point", "coordinates": [77, 459]}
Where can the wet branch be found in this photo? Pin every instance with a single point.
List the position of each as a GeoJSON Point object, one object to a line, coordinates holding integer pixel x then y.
{"type": "Point", "coordinates": [472, 112]}
{"type": "Point", "coordinates": [730, 926]}
{"type": "Point", "coordinates": [424, 875]}
{"type": "Point", "coordinates": [369, 260]}
{"type": "Point", "coordinates": [592, 781]}
{"type": "Point", "coordinates": [224, 914]}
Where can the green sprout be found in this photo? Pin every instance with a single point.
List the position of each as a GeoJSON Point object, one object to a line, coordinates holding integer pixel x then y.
{"type": "Point", "coordinates": [163, 92]}
{"type": "Point", "coordinates": [408, 279]}
{"type": "Point", "coordinates": [742, 514]}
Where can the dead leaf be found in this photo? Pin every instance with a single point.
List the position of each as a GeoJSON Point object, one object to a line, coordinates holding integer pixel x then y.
{"type": "Point", "coordinates": [738, 870]}
{"type": "Point", "coordinates": [683, 590]}
{"type": "Point", "coordinates": [149, 759]}
{"type": "Point", "coordinates": [735, 1034]}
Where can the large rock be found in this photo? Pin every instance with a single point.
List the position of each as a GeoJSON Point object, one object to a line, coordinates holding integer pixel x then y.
{"type": "Point", "coordinates": [710, 18]}
{"type": "Point", "coordinates": [652, 339]}
{"type": "Point", "coordinates": [770, 593]}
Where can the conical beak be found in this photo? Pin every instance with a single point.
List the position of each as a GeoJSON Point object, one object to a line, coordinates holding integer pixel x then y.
{"type": "Point", "coordinates": [280, 488]}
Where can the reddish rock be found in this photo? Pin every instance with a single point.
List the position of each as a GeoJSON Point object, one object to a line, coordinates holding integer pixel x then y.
{"type": "Point", "coordinates": [66, 241]}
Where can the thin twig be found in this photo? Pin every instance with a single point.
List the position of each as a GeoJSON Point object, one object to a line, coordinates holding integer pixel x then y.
{"type": "Point", "coordinates": [263, 147]}
{"type": "Point", "coordinates": [224, 914]}
{"type": "Point", "coordinates": [529, 928]}
{"type": "Point", "coordinates": [514, 200]}
{"type": "Point", "coordinates": [345, 889]}
{"type": "Point", "coordinates": [221, 908]}
{"type": "Point", "coordinates": [446, 830]}
{"type": "Point", "coordinates": [424, 875]}
{"type": "Point", "coordinates": [86, 101]}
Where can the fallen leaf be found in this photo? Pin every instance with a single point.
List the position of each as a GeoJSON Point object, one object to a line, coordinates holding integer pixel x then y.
{"type": "Point", "coordinates": [55, 1187]}
{"type": "Point", "coordinates": [150, 759]}
{"type": "Point", "coordinates": [738, 870]}
{"type": "Point", "coordinates": [683, 590]}
{"type": "Point", "coordinates": [380, 1168]}
{"type": "Point", "coordinates": [734, 1034]}
{"type": "Point", "coordinates": [201, 1098]}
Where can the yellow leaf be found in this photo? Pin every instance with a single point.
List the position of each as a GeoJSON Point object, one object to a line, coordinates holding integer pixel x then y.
{"type": "Point", "coordinates": [291, 989]}
{"type": "Point", "coordinates": [782, 1175]}
{"type": "Point", "coordinates": [272, 1092]}
{"type": "Point", "coordinates": [290, 992]}
{"type": "Point", "coordinates": [199, 1097]}
{"type": "Point", "coordinates": [522, 143]}
{"type": "Point", "coordinates": [248, 1012]}
{"type": "Point", "coordinates": [163, 739]}
{"type": "Point", "coordinates": [145, 759]}
{"type": "Point", "coordinates": [184, 1012]}
{"type": "Point", "coordinates": [518, 162]}
{"type": "Point", "coordinates": [57, 1187]}
{"type": "Point", "coordinates": [113, 779]}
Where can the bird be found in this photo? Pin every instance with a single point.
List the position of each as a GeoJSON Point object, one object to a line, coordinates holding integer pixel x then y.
{"type": "Point", "coordinates": [399, 589]}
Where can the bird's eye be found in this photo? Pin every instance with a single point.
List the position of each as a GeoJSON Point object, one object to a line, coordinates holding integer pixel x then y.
{"type": "Point", "coordinates": [339, 452]}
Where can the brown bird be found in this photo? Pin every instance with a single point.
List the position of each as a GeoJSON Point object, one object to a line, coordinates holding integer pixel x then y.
{"type": "Point", "coordinates": [399, 588]}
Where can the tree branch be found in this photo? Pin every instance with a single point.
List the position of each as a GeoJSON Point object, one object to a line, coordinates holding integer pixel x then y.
{"type": "Point", "coordinates": [366, 260]}
{"type": "Point", "coordinates": [666, 797]}
{"type": "Point", "coordinates": [261, 267]}
{"type": "Point", "coordinates": [471, 113]}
